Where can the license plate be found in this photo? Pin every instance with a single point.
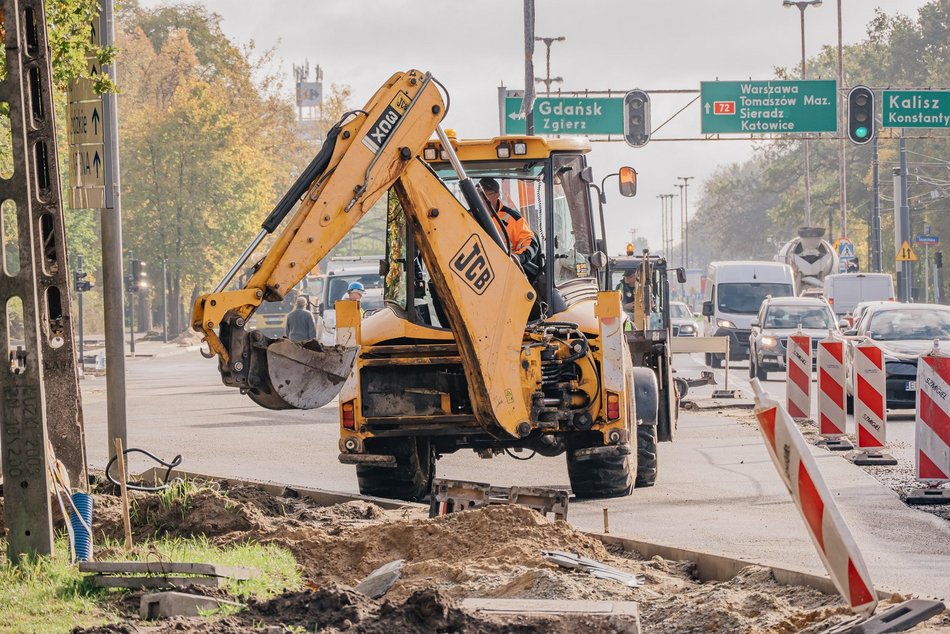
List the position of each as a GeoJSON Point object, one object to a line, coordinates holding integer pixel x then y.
{"type": "Point", "coordinates": [910, 386]}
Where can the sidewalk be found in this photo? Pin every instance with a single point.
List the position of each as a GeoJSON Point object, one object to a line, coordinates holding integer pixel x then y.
{"type": "Point", "coordinates": [144, 349]}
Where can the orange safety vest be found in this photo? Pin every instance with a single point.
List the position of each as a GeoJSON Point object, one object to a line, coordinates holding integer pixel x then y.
{"type": "Point", "coordinates": [517, 228]}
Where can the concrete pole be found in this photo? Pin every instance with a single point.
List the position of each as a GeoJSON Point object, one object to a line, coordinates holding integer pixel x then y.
{"type": "Point", "coordinates": [111, 220]}
{"type": "Point", "coordinates": [842, 157]}
{"type": "Point", "coordinates": [906, 267]}
{"type": "Point", "coordinates": [876, 247]}
{"type": "Point", "coordinates": [164, 303]}
{"type": "Point", "coordinates": [528, 103]}
{"type": "Point", "coordinates": [801, 9]}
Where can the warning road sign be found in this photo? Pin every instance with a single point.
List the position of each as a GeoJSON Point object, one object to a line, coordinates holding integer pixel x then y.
{"type": "Point", "coordinates": [906, 254]}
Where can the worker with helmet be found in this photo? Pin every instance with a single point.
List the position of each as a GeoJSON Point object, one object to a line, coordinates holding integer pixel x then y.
{"type": "Point", "coordinates": [522, 241]}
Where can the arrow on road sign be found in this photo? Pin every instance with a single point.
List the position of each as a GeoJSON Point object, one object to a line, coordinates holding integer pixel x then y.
{"type": "Point", "coordinates": [96, 161]}
{"type": "Point", "coordinates": [906, 254]}
{"type": "Point", "coordinates": [95, 121]}
{"type": "Point", "coordinates": [706, 107]}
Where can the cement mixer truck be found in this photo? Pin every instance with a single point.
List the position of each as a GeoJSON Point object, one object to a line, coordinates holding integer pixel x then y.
{"type": "Point", "coordinates": [811, 257]}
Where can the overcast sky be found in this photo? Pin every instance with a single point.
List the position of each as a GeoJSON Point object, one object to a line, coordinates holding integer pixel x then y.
{"type": "Point", "coordinates": [474, 46]}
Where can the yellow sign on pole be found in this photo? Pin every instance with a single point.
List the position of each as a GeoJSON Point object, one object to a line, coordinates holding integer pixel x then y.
{"type": "Point", "coordinates": [906, 254]}
{"type": "Point", "coordinates": [86, 139]}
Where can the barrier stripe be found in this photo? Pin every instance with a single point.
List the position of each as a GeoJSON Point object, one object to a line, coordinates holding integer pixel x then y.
{"type": "Point", "coordinates": [831, 388]}
{"type": "Point", "coordinates": [933, 418]}
{"type": "Point", "coordinates": [869, 396]}
{"type": "Point", "coordinates": [799, 472]}
{"type": "Point", "coordinates": [870, 384]}
{"type": "Point", "coordinates": [832, 416]}
{"type": "Point", "coordinates": [798, 375]}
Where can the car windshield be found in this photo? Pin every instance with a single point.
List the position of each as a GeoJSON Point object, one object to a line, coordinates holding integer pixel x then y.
{"type": "Point", "coordinates": [899, 325]}
{"type": "Point", "coordinates": [680, 311]}
{"type": "Point", "coordinates": [792, 316]}
{"type": "Point", "coordinates": [746, 299]}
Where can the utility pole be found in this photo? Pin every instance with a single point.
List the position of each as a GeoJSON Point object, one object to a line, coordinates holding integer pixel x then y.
{"type": "Point", "coordinates": [685, 191]}
{"type": "Point", "coordinates": [842, 171]}
{"type": "Point", "coordinates": [876, 256]}
{"type": "Point", "coordinates": [670, 219]}
{"type": "Point", "coordinates": [906, 267]}
{"type": "Point", "coordinates": [548, 80]}
{"type": "Point", "coordinates": [682, 227]}
{"type": "Point", "coordinates": [801, 8]}
{"type": "Point", "coordinates": [164, 302]}
{"type": "Point", "coordinates": [527, 105]}
{"type": "Point", "coordinates": [113, 298]}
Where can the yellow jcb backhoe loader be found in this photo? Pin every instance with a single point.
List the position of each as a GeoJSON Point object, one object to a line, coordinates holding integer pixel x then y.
{"type": "Point", "coordinates": [467, 353]}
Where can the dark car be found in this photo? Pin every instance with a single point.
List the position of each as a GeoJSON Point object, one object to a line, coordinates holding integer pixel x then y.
{"type": "Point", "coordinates": [780, 317]}
{"type": "Point", "coordinates": [903, 332]}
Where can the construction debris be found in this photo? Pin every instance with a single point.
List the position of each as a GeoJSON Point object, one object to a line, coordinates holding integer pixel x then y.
{"type": "Point", "coordinates": [451, 496]}
{"type": "Point", "coordinates": [378, 582]}
{"type": "Point", "coordinates": [594, 568]}
{"type": "Point", "coordinates": [161, 574]}
{"type": "Point", "coordinates": [163, 605]}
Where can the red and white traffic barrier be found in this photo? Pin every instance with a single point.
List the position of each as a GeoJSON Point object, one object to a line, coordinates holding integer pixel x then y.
{"type": "Point", "coordinates": [831, 536]}
{"type": "Point", "coordinates": [832, 414]}
{"type": "Point", "coordinates": [870, 415]}
{"type": "Point", "coordinates": [798, 378]}
{"type": "Point", "coordinates": [933, 418]}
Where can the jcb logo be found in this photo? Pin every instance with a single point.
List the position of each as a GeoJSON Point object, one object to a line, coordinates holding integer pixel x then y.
{"type": "Point", "coordinates": [471, 264]}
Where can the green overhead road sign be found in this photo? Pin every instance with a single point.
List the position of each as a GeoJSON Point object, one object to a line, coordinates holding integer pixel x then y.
{"type": "Point", "coordinates": [768, 107]}
{"type": "Point", "coordinates": [916, 109]}
{"type": "Point", "coordinates": [567, 115]}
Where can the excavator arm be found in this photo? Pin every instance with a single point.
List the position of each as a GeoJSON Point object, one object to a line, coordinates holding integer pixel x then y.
{"type": "Point", "coordinates": [485, 293]}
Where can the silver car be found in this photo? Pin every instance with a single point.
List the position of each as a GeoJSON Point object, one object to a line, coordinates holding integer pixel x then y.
{"type": "Point", "coordinates": [682, 321]}
{"type": "Point", "coordinates": [780, 317]}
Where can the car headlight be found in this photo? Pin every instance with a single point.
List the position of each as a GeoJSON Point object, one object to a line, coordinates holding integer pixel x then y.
{"type": "Point", "coordinates": [724, 323]}
{"type": "Point", "coordinates": [688, 329]}
{"type": "Point", "coordinates": [768, 342]}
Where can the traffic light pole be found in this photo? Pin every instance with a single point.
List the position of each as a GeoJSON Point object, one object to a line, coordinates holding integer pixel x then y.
{"type": "Point", "coordinates": [130, 291]}
{"type": "Point", "coordinates": [876, 256]}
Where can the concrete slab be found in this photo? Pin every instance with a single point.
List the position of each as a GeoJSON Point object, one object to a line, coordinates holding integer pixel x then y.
{"type": "Point", "coordinates": [554, 607]}
{"type": "Point", "coordinates": [163, 605]}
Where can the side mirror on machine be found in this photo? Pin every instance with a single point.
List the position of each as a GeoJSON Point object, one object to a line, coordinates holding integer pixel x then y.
{"type": "Point", "coordinates": [628, 182]}
{"type": "Point", "coordinates": [598, 260]}
{"type": "Point", "coordinates": [707, 309]}
{"type": "Point", "coordinates": [681, 275]}
{"type": "Point", "coordinates": [755, 324]}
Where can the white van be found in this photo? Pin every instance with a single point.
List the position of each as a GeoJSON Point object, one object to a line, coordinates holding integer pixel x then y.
{"type": "Point", "coordinates": [733, 294]}
{"type": "Point", "coordinates": [844, 291]}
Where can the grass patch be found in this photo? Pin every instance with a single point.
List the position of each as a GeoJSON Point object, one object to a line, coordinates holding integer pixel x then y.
{"type": "Point", "coordinates": [50, 595]}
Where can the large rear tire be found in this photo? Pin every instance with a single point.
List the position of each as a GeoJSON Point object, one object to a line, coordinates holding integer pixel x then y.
{"type": "Point", "coordinates": [410, 480]}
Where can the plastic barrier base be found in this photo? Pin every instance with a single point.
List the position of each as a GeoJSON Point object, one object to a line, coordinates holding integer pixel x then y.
{"type": "Point", "coordinates": [835, 444]}
{"type": "Point", "coordinates": [899, 618]}
{"type": "Point", "coordinates": [865, 459]}
{"type": "Point", "coordinates": [933, 495]}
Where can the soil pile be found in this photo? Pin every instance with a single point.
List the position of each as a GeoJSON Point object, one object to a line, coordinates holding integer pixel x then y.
{"type": "Point", "coordinates": [493, 552]}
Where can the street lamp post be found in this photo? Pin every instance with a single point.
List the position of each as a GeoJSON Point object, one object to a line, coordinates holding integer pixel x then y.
{"type": "Point", "coordinates": [682, 227]}
{"type": "Point", "coordinates": [802, 5]}
{"type": "Point", "coordinates": [685, 191]}
{"type": "Point", "coordinates": [548, 80]}
{"type": "Point", "coordinates": [662, 222]}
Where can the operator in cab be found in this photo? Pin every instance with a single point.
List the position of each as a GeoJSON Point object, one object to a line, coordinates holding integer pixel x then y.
{"type": "Point", "coordinates": [521, 239]}
{"type": "Point", "coordinates": [627, 288]}
{"type": "Point", "coordinates": [300, 326]}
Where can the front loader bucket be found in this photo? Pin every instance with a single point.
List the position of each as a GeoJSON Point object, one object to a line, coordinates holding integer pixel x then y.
{"type": "Point", "coordinates": [304, 375]}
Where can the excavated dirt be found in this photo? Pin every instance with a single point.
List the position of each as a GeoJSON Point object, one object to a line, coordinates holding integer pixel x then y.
{"type": "Point", "coordinates": [489, 553]}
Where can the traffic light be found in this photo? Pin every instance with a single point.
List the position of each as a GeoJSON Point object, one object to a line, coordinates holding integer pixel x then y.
{"type": "Point", "coordinates": [136, 278]}
{"type": "Point", "coordinates": [80, 283]}
{"type": "Point", "coordinates": [636, 118]}
{"type": "Point", "coordinates": [860, 115]}
{"type": "Point", "coordinates": [938, 259]}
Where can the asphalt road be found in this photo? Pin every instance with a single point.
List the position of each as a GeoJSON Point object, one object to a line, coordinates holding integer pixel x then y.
{"type": "Point", "coordinates": [717, 490]}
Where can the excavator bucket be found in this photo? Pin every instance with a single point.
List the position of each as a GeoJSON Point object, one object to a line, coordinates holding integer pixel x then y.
{"type": "Point", "coordinates": [304, 375]}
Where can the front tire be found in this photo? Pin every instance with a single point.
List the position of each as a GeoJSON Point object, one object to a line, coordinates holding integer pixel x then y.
{"type": "Point", "coordinates": [600, 477]}
{"type": "Point", "coordinates": [410, 480]}
{"type": "Point", "coordinates": [646, 456]}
